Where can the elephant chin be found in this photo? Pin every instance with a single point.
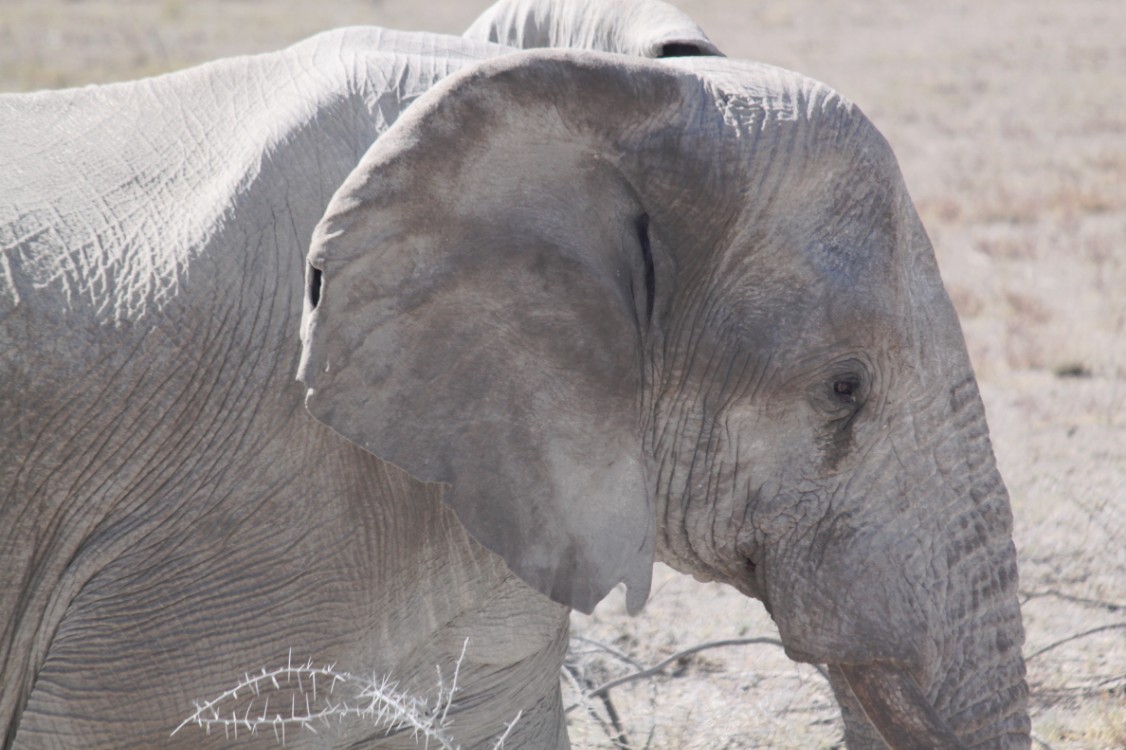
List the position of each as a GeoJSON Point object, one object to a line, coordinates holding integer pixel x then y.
{"type": "Point", "coordinates": [896, 706]}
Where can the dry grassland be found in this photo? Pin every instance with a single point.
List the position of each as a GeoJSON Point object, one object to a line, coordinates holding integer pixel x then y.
{"type": "Point", "coordinates": [1009, 120]}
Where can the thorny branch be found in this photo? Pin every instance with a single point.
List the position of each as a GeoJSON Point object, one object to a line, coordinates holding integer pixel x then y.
{"type": "Point", "coordinates": [375, 699]}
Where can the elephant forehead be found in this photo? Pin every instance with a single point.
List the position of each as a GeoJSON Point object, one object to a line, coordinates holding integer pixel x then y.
{"type": "Point", "coordinates": [818, 185]}
{"type": "Point", "coordinates": [835, 244]}
{"type": "Point", "coordinates": [849, 240]}
{"type": "Point", "coordinates": [797, 312]}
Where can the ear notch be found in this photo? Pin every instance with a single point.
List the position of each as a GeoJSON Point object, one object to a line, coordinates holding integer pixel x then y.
{"type": "Point", "coordinates": [475, 322]}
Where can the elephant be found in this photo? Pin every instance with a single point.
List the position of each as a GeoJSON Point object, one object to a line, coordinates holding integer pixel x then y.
{"type": "Point", "coordinates": [553, 314]}
{"type": "Point", "coordinates": [641, 28]}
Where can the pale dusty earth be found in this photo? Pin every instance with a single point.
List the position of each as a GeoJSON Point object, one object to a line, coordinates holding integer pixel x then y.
{"type": "Point", "coordinates": [1009, 121]}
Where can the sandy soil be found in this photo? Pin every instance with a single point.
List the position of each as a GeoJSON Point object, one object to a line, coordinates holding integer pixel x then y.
{"type": "Point", "coordinates": [1009, 121]}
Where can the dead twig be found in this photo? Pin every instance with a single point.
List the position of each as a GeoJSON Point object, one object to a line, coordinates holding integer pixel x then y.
{"type": "Point", "coordinates": [1077, 636]}
{"type": "Point", "coordinates": [1108, 606]}
{"type": "Point", "coordinates": [580, 683]}
{"type": "Point", "coordinates": [620, 655]}
{"type": "Point", "coordinates": [657, 668]}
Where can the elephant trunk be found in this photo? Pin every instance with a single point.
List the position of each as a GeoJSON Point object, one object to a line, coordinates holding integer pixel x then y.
{"type": "Point", "coordinates": [884, 705]}
{"type": "Point", "coordinates": [975, 695]}
{"type": "Point", "coordinates": [897, 708]}
{"type": "Point", "coordinates": [913, 603]}
{"type": "Point", "coordinates": [980, 688]}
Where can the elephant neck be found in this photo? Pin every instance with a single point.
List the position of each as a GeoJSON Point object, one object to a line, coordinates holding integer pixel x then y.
{"type": "Point", "coordinates": [149, 318]}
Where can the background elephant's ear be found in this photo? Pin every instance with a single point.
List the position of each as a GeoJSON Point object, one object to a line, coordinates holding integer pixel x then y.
{"type": "Point", "coordinates": [476, 311]}
{"type": "Point", "coordinates": [641, 28]}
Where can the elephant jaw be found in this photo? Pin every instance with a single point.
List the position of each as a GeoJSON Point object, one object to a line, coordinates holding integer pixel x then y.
{"type": "Point", "coordinates": [897, 708]}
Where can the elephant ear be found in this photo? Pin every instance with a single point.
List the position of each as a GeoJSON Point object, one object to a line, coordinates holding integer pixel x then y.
{"type": "Point", "coordinates": [640, 28]}
{"type": "Point", "coordinates": [475, 311]}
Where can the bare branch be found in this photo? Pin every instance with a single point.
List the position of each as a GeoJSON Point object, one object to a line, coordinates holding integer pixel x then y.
{"type": "Point", "coordinates": [1054, 593]}
{"type": "Point", "coordinates": [581, 684]}
{"type": "Point", "coordinates": [1077, 636]}
{"type": "Point", "coordinates": [659, 666]}
{"type": "Point", "coordinates": [621, 655]}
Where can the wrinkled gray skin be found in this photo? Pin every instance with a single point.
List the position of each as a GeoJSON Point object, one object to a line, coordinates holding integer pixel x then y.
{"type": "Point", "coordinates": [492, 315]}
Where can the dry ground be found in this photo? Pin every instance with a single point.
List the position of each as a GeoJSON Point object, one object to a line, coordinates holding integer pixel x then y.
{"type": "Point", "coordinates": [1009, 120]}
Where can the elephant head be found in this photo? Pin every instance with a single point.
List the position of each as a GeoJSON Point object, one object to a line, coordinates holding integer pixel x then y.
{"type": "Point", "coordinates": [627, 308]}
{"type": "Point", "coordinates": [640, 28]}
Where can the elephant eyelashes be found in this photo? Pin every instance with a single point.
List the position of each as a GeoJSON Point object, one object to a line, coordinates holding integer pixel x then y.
{"type": "Point", "coordinates": [642, 227]}
{"type": "Point", "coordinates": [314, 291]}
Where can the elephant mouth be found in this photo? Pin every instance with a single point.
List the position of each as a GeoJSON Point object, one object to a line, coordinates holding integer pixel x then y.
{"type": "Point", "coordinates": [897, 707]}
{"type": "Point", "coordinates": [888, 693]}
{"type": "Point", "coordinates": [746, 579]}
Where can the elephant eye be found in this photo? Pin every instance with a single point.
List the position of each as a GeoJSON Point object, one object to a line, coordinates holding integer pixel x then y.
{"type": "Point", "coordinates": [847, 389]}
{"type": "Point", "coordinates": [841, 391]}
